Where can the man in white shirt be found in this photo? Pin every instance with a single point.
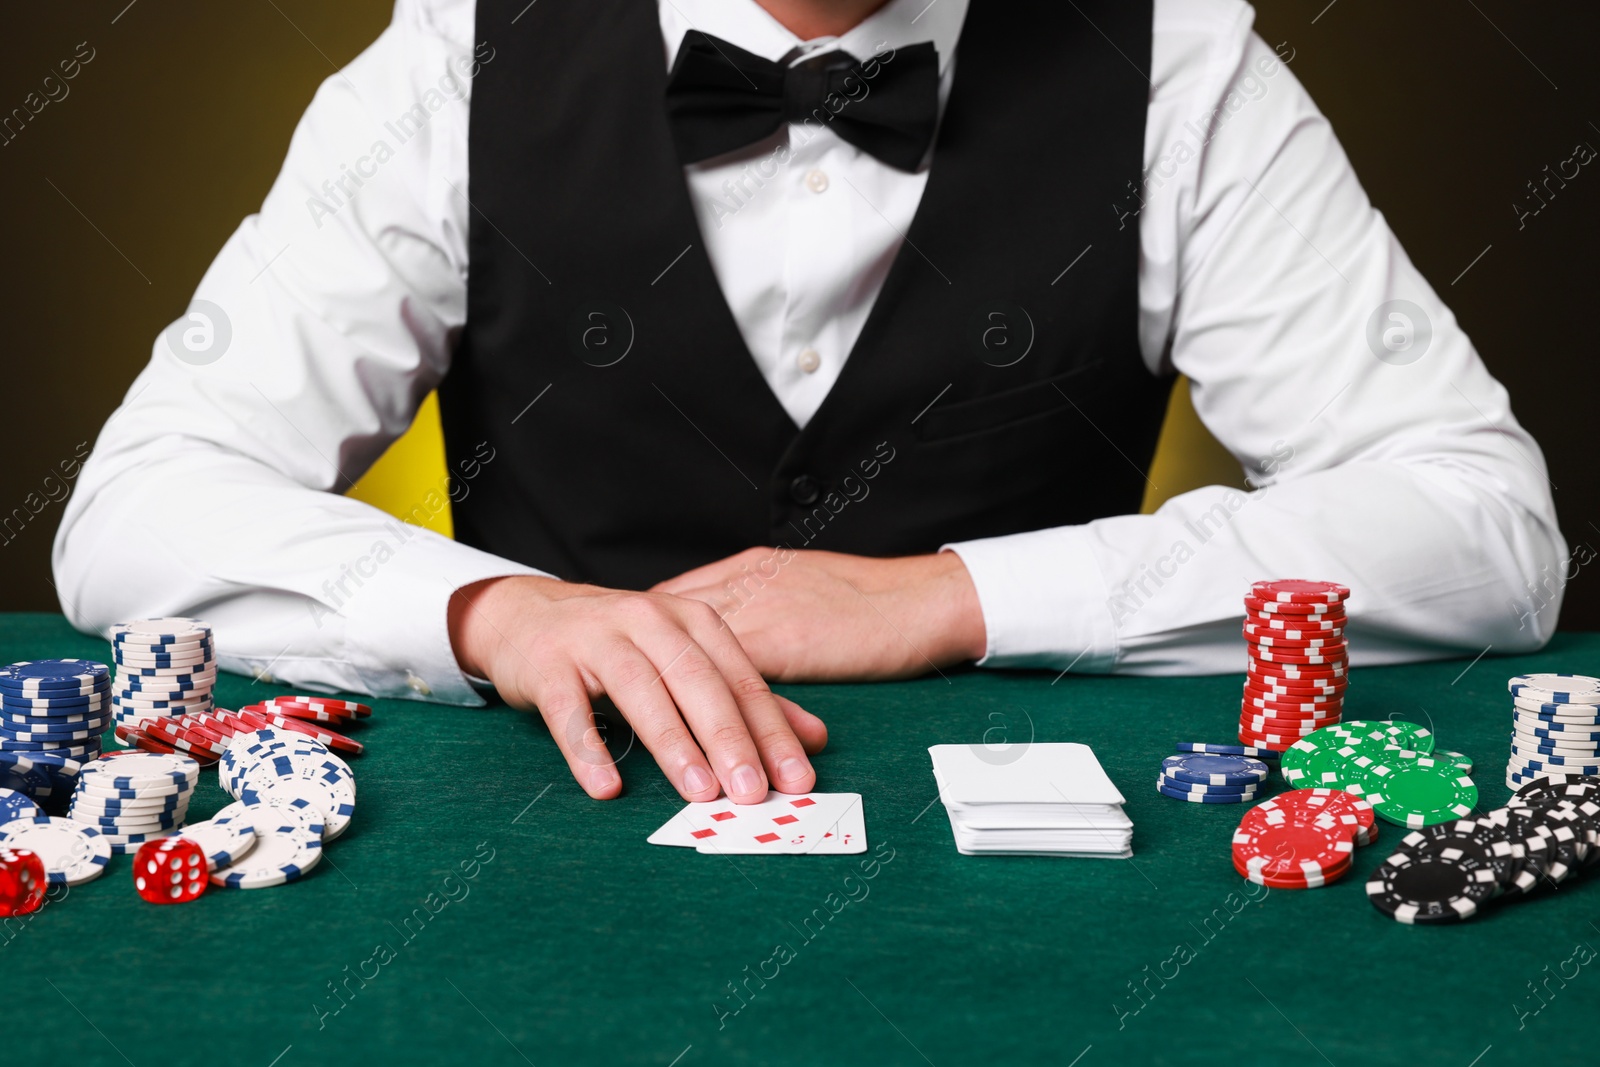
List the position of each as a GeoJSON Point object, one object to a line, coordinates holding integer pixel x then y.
{"type": "Point", "coordinates": [885, 339]}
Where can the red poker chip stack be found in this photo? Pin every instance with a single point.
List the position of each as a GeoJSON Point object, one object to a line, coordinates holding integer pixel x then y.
{"type": "Point", "coordinates": [1302, 839]}
{"type": "Point", "coordinates": [1298, 661]}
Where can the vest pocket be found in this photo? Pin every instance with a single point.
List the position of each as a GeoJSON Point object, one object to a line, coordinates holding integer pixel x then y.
{"type": "Point", "coordinates": [999, 411]}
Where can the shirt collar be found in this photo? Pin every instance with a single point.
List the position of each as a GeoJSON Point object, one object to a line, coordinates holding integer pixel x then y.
{"type": "Point", "coordinates": [745, 23]}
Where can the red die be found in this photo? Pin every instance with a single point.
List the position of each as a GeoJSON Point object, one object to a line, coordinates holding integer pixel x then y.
{"type": "Point", "coordinates": [22, 882]}
{"type": "Point", "coordinates": [170, 871]}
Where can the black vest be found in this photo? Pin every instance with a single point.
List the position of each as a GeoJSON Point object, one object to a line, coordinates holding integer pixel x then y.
{"type": "Point", "coordinates": [993, 390]}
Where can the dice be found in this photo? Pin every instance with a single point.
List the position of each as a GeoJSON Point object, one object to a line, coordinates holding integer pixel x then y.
{"type": "Point", "coordinates": [170, 871]}
{"type": "Point", "coordinates": [22, 882]}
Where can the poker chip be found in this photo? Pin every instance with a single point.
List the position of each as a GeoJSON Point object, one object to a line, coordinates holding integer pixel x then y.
{"type": "Point", "coordinates": [1198, 787]}
{"type": "Point", "coordinates": [1293, 625]}
{"type": "Point", "coordinates": [1279, 840]}
{"type": "Point", "coordinates": [332, 704]}
{"type": "Point", "coordinates": [1530, 832]}
{"type": "Point", "coordinates": [1205, 798]}
{"type": "Point", "coordinates": [1421, 792]}
{"type": "Point", "coordinates": [323, 735]}
{"type": "Point", "coordinates": [226, 837]}
{"type": "Point", "coordinates": [15, 805]}
{"type": "Point", "coordinates": [1279, 607]}
{"type": "Point", "coordinates": [71, 852]}
{"type": "Point", "coordinates": [1429, 883]}
{"type": "Point", "coordinates": [1210, 769]}
{"type": "Point", "coordinates": [53, 713]}
{"type": "Point", "coordinates": [1229, 750]}
{"type": "Point", "coordinates": [1336, 806]}
{"type": "Point", "coordinates": [288, 844]}
{"type": "Point", "coordinates": [164, 665]}
{"type": "Point", "coordinates": [1546, 688]}
{"type": "Point", "coordinates": [1300, 591]}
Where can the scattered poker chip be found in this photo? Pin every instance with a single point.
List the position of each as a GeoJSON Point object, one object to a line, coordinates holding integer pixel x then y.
{"type": "Point", "coordinates": [1489, 842]}
{"type": "Point", "coordinates": [1229, 750]}
{"type": "Point", "coordinates": [333, 704]}
{"type": "Point", "coordinates": [1423, 791]}
{"type": "Point", "coordinates": [1301, 591]}
{"type": "Point", "coordinates": [1210, 769]}
{"type": "Point", "coordinates": [288, 844]}
{"type": "Point", "coordinates": [15, 805]}
{"type": "Point", "coordinates": [1430, 884]}
{"type": "Point", "coordinates": [1281, 841]}
{"type": "Point", "coordinates": [72, 853]}
{"type": "Point", "coordinates": [1336, 806]}
{"type": "Point", "coordinates": [1397, 732]}
{"type": "Point", "coordinates": [1576, 788]}
{"type": "Point", "coordinates": [224, 838]}
{"type": "Point", "coordinates": [323, 735]}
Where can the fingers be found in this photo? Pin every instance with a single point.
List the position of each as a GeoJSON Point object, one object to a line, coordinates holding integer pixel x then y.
{"type": "Point", "coordinates": [782, 754]}
{"type": "Point", "coordinates": [812, 731]}
{"type": "Point", "coordinates": [703, 698]}
{"type": "Point", "coordinates": [564, 706]}
{"type": "Point", "coordinates": [635, 686]}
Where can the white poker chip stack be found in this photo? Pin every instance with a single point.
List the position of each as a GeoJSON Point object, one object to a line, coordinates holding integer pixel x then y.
{"type": "Point", "coordinates": [1555, 720]}
{"type": "Point", "coordinates": [165, 668]}
{"type": "Point", "coordinates": [133, 797]}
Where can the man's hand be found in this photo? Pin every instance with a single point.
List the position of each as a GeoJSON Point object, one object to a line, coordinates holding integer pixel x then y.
{"type": "Point", "coordinates": [671, 667]}
{"type": "Point", "coordinates": [826, 617]}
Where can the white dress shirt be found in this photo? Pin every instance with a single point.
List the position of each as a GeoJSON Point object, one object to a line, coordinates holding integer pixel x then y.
{"type": "Point", "coordinates": [214, 489]}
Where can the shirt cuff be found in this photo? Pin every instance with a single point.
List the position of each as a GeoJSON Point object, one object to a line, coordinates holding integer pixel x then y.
{"type": "Point", "coordinates": [1044, 600]}
{"type": "Point", "coordinates": [397, 624]}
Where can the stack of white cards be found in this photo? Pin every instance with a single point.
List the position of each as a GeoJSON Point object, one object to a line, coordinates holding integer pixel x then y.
{"type": "Point", "coordinates": [1031, 800]}
{"type": "Point", "coordinates": [783, 824]}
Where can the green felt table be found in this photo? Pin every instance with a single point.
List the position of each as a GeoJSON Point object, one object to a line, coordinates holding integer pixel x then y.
{"type": "Point", "coordinates": [482, 909]}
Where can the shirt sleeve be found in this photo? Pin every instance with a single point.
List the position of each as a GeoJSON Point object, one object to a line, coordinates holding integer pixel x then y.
{"type": "Point", "coordinates": [1377, 449]}
{"type": "Point", "coordinates": [214, 490]}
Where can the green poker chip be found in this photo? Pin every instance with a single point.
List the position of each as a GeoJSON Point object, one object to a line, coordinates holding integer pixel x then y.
{"type": "Point", "coordinates": [1419, 792]}
{"type": "Point", "coordinates": [1397, 732]}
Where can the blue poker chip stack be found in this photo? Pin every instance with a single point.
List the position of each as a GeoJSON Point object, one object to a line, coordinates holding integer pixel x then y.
{"type": "Point", "coordinates": [53, 713]}
{"type": "Point", "coordinates": [1212, 777]}
{"type": "Point", "coordinates": [165, 668]}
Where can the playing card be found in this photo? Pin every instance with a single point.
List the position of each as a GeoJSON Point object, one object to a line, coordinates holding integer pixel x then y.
{"type": "Point", "coordinates": [782, 823]}
{"type": "Point", "coordinates": [847, 835]}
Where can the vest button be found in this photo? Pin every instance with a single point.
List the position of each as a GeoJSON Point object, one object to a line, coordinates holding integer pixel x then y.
{"type": "Point", "coordinates": [804, 490]}
{"type": "Point", "coordinates": [817, 181]}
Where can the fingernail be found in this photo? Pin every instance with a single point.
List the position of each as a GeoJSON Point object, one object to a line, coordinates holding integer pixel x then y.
{"type": "Point", "coordinates": [792, 769]}
{"type": "Point", "coordinates": [603, 777]}
{"type": "Point", "coordinates": [696, 780]}
{"type": "Point", "coordinates": [746, 780]}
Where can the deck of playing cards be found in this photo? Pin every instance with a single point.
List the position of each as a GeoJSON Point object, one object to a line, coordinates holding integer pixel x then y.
{"type": "Point", "coordinates": [784, 824]}
{"type": "Point", "coordinates": [1031, 800]}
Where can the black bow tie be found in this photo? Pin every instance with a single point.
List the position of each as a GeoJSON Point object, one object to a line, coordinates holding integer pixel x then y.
{"type": "Point", "coordinates": [720, 98]}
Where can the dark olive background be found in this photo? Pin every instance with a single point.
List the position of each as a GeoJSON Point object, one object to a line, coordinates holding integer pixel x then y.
{"type": "Point", "coordinates": [115, 198]}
